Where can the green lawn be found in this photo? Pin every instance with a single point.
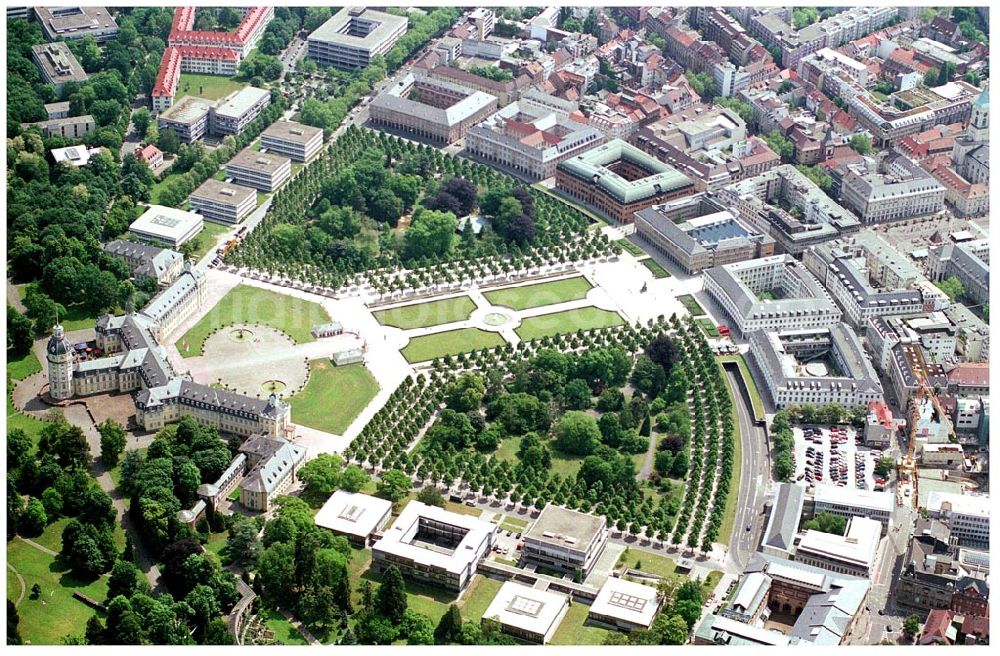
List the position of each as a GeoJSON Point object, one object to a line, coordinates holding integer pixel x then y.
{"type": "Point", "coordinates": [575, 630]}
{"type": "Point", "coordinates": [60, 614]}
{"type": "Point", "coordinates": [477, 598]}
{"type": "Point", "coordinates": [23, 366]}
{"type": "Point", "coordinates": [77, 318]}
{"type": "Point", "coordinates": [513, 524]}
{"type": "Point", "coordinates": [656, 268]}
{"type": "Point", "coordinates": [663, 566]}
{"type": "Point", "coordinates": [567, 321]}
{"type": "Point", "coordinates": [422, 315]}
{"type": "Point", "coordinates": [691, 305]}
{"type": "Point", "coordinates": [206, 239]}
{"type": "Point", "coordinates": [563, 464]}
{"type": "Point", "coordinates": [209, 87]}
{"type": "Point", "coordinates": [253, 305]}
{"type": "Point", "coordinates": [51, 537]}
{"type": "Point", "coordinates": [429, 600]}
{"type": "Point", "coordinates": [452, 342]}
{"type": "Point", "coordinates": [334, 396]}
{"type": "Point", "coordinates": [284, 632]}
{"type": "Point", "coordinates": [631, 247]}
{"type": "Point", "coordinates": [546, 293]}
{"type": "Point", "coordinates": [216, 543]}
{"type": "Point", "coordinates": [31, 426]}
{"type": "Point", "coordinates": [708, 326]}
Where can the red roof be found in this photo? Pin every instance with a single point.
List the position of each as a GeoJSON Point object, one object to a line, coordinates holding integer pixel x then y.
{"type": "Point", "coordinates": [148, 153]}
{"type": "Point", "coordinates": [883, 414]}
{"type": "Point", "coordinates": [974, 374]}
{"type": "Point", "coordinates": [936, 627]}
{"type": "Point", "coordinates": [182, 34]}
{"type": "Point", "coordinates": [170, 65]}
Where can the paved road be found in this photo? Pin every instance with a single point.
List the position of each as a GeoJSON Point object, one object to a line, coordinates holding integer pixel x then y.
{"type": "Point", "coordinates": [755, 479]}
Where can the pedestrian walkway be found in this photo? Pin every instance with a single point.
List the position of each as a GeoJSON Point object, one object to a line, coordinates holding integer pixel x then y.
{"type": "Point", "coordinates": [310, 638]}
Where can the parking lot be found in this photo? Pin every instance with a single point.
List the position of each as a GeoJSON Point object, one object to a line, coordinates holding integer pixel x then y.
{"type": "Point", "coordinates": [831, 455]}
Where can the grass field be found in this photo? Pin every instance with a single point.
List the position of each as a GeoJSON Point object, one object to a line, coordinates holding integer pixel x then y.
{"type": "Point", "coordinates": [568, 321]}
{"type": "Point", "coordinates": [55, 614]}
{"type": "Point", "coordinates": [545, 293]}
{"type": "Point", "coordinates": [205, 241]}
{"type": "Point", "coordinates": [663, 566]}
{"type": "Point", "coordinates": [244, 304]}
{"type": "Point", "coordinates": [422, 315]}
{"type": "Point", "coordinates": [655, 267]}
{"type": "Point", "coordinates": [452, 342]}
{"type": "Point", "coordinates": [562, 464]}
{"type": "Point", "coordinates": [708, 326]}
{"type": "Point", "coordinates": [334, 396]}
{"type": "Point", "coordinates": [575, 630]}
{"type": "Point", "coordinates": [77, 318]}
{"type": "Point", "coordinates": [23, 366]}
{"type": "Point", "coordinates": [755, 399]}
{"type": "Point", "coordinates": [284, 632]}
{"type": "Point", "coordinates": [431, 601]}
{"type": "Point", "coordinates": [478, 596]}
{"type": "Point", "coordinates": [31, 426]}
{"type": "Point", "coordinates": [513, 524]}
{"type": "Point", "coordinates": [631, 247]}
{"type": "Point", "coordinates": [209, 87]}
{"type": "Point", "coordinates": [691, 305]}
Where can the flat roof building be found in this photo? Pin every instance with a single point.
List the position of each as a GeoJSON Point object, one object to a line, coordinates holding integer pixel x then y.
{"type": "Point", "coordinates": [618, 180]}
{"type": "Point", "coordinates": [167, 225]}
{"type": "Point", "coordinates": [852, 553]}
{"type": "Point", "coordinates": [57, 64]}
{"type": "Point", "coordinates": [72, 127]}
{"type": "Point", "coordinates": [434, 546]}
{"type": "Point", "coordinates": [719, 630]}
{"type": "Point", "coordinates": [968, 516]}
{"type": "Point", "coordinates": [57, 109]}
{"type": "Point", "coordinates": [235, 112]}
{"type": "Point", "coordinates": [294, 140]}
{"type": "Point", "coordinates": [75, 156]}
{"type": "Point", "coordinates": [223, 202]}
{"type": "Point", "coordinates": [76, 23]}
{"type": "Point", "coordinates": [352, 36]}
{"type": "Point", "coordinates": [354, 515]}
{"type": "Point", "coordinates": [432, 109]}
{"type": "Point", "coordinates": [770, 293]}
{"type": "Point", "coordinates": [566, 540]}
{"type": "Point", "coordinates": [526, 612]}
{"type": "Point", "coordinates": [625, 605]}
{"type": "Point", "coordinates": [262, 171]}
{"type": "Point", "coordinates": [698, 232]}
{"type": "Point", "coordinates": [188, 118]}
{"type": "Point", "coordinates": [846, 503]}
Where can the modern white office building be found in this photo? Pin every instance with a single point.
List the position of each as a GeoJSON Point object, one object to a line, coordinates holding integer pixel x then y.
{"type": "Point", "coordinates": [354, 515]}
{"type": "Point", "coordinates": [527, 612]}
{"type": "Point", "coordinates": [566, 540]}
{"type": "Point", "coordinates": [968, 516]}
{"type": "Point", "coordinates": [262, 171]}
{"type": "Point", "coordinates": [57, 64]}
{"type": "Point", "coordinates": [223, 202]}
{"type": "Point", "coordinates": [293, 140]}
{"type": "Point", "coordinates": [847, 503]}
{"type": "Point", "coordinates": [434, 546]}
{"type": "Point", "coordinates": [235, 112]}
{"type": "Point", "coordinates": [67, 23]}
{"type": "Point", "coordinates": [852, 553]}
{"type": "Point", "coordinates": [167, 225]}
{"type": "Point", "coordinates": [353, 36]}
{"type": "Point", "coordinates": [625, 605]}
{"type": "Point", "coordinates": [188, 118]}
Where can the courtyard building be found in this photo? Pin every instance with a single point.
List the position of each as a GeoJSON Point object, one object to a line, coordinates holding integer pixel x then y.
{"type": "Point", "coordinates": [526, 612]}
{"type": "Point", "coordinates": [815, 366]}
{"type": "Point", "coordinates": [625, 605]}
{"type": "Point", "coordinates": [774, 293]}
{"type": "Point", "coordinates": [352, 36]}
{"type": "Point", "coordinates": [262, 171]}
{"type": "Point", "coordinates": [846, 503]}
{"type": "Point", "coordinates": [58, 65]}
{"type": "Point", "coordinates": [293, 140]}
{"type": "Point", "coordinates": [167, 225]}
{"type": "Point", "coordinates": [356, 516]}
{"type": "Point", "coordinates": [566, 540]}
{"type": "Point", "coordinates": [699, 232]}
{"type": "Point", "coordinates": [619, 180]}
{"type": "Point", "coordinates": [187, 118]}
{"type": "Point", "coordinates": [71, 23]}
{"type": "Point", "coordinates": [434, 546]}
{"type": "Point", "coordinates": [899, 189]}
{"type": "Point", "coordinates": [223, 202]}
{"type": "Point", "coordinates": [432, 109]}
{"type": "Point", "coordinates": [235, 112]}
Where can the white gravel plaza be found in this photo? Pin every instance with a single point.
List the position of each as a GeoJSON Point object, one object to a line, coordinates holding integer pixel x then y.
{"type": "Point", "coordinates": [247, 365]}
{"type": "Point", "coordinates": [847, 450]}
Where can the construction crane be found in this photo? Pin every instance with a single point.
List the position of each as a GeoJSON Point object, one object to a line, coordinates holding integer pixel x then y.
{"type": "Point", "coordinates": [924, 394]}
